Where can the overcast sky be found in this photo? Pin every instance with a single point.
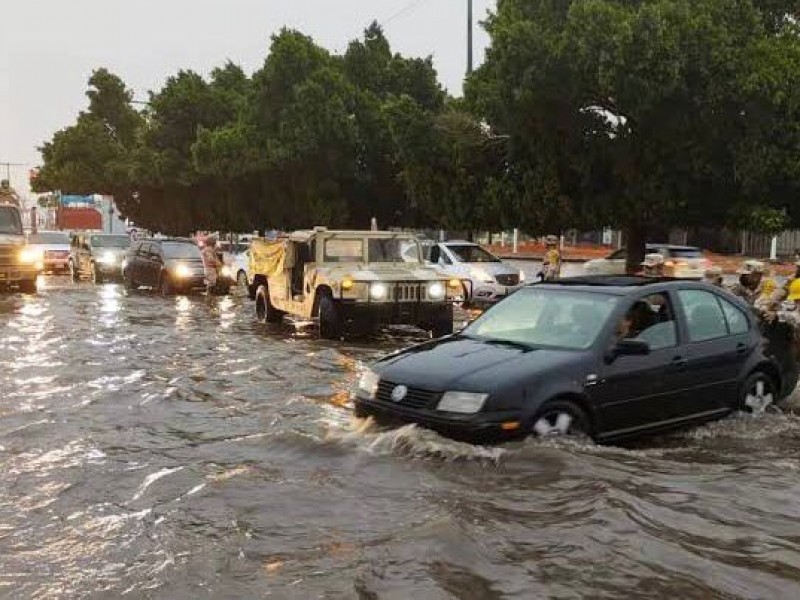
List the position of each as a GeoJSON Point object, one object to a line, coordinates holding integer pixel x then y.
{"type": "Point", "coordinates": [49, 47]}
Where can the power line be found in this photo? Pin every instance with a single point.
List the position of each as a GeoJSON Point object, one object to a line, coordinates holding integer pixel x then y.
{"type": "Point", "coordinates": [407, 9]}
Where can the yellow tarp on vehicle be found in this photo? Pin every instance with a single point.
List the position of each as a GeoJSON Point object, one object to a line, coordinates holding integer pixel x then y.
{"type": "Point", "coordinates": [267, 257]}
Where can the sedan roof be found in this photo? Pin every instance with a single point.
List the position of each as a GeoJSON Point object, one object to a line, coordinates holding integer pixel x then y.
{"type": "Point", "coordinates": [617, 284]}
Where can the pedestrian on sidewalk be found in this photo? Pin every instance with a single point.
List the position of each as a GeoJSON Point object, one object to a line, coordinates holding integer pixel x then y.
{"type": "Point", "coordinates": [551, 268]}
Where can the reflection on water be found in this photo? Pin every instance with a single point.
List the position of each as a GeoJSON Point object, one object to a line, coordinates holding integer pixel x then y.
{"type": "Point", "coordinates": [174, 448]}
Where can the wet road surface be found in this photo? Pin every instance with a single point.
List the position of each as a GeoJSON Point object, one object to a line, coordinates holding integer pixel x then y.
{"type": "Point", "coordinates": [174, 448]}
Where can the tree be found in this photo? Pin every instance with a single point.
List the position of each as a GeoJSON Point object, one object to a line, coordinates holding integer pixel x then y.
{"type": "Point", "coordinates": [643, 114]}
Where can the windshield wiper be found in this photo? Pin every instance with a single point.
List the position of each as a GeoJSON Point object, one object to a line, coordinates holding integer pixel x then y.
{"type": "Point", "coordinates": [500, 342]}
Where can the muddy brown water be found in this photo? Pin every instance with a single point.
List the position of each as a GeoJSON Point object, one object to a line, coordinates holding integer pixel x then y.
{"type": "Point", "coordinates": [174, 448]}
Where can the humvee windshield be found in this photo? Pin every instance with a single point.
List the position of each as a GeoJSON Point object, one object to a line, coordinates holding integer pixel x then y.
{"type": "Point", "coordinates": [10, 223]}
{"type": "Point", "coordinates": [378, 250]}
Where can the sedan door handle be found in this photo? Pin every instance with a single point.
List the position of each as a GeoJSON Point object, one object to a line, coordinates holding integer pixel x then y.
{"type": "Point", "coordinates": [679, 362]}
{"type": "Point", "coordinates": [741, 348]}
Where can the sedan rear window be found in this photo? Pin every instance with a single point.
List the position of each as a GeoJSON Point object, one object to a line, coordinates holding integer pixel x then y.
{"type": "Point", "coordinates": [546, 318]}
{"type": "Point", "coordinates": [686, 253]}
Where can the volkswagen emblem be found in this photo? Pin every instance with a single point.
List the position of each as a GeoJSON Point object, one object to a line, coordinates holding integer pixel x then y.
{"type": "Point", "coordinates": [399, 393]}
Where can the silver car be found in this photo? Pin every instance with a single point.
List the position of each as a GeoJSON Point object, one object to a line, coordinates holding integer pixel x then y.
{"type": "Point", "coordinates": [486, 279]}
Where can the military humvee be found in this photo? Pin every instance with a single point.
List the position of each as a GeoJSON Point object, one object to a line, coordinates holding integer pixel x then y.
{"type": "Point", "coordinates": [349, 280]}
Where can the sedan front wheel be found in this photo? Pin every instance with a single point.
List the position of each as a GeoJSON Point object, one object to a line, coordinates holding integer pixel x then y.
{"type": "Point", "coordinates": [561, 418]}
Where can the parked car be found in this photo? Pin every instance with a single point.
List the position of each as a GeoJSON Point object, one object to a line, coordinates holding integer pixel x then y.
{"type": "Point", "coordinates": [20, 264]}
{"type": "Point", "coordinates": [486, 279]}
{"type": "Point", "coordinates": [97, 256]}
{"type": "Point", "coordinates": [349, 281]}
{"type": "Point", "coordinates": [609, 357]}
{"type": "Point", "coordinates": [54, 246]}
{"type": "Point", "coordinates": [240, 264]}
{"type": "Point", "coordinates": [169, 265]}
{"type": "Point", "coordinates": [686, 262]}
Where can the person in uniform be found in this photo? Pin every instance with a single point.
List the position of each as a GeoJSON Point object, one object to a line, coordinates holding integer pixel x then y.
{"type": "Point", "coordinates": [714, 276]}
{"type": "Point", "coordinates": [211, 261]}
{"type": "Point", "coordinates": [653, 266]}
{"type": "Point", "coordinates": [752, 282]}
{"type": "Point", "coordinates": [551, 269]}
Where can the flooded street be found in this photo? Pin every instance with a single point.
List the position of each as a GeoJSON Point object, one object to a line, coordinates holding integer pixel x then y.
{"type": "Point", "coordinates": [175, 448]}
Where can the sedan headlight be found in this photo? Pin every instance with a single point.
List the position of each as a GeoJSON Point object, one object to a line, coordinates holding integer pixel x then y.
{"type": "Point", "coordinates": [466, 403]}
{"type": "Point", "coordinates": [482, 275]}
{"type": "Point", "coordinates": [436, 291]}
{"type": "Point", "coordinates": [29, 256]}
{"type": "Point", "coordinates": [182, 271]}
{"type": "Point", "coordinates": [108, 258]}
{"type": "Point", "coordinates": [368, 384]}
{"type": "Point", "coordinates": [378, 291]}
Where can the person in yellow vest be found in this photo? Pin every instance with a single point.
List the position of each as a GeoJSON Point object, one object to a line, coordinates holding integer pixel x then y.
{"type": "Point", "coordinates": [551, 269]}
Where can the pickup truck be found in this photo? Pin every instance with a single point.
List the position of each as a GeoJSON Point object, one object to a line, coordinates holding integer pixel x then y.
{"type": "Point", "coordinates": [20, 264]}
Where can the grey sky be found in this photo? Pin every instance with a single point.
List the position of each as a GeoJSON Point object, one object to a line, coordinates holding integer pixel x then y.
{"type": "Point", "coordinates": [49, 48]}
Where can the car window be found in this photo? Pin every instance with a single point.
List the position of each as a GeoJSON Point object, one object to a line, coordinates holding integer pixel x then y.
{"type": "Point", "coordinates": [737, 320]}
{"type": "Point", "coordinates": [470, 253]}
{"type": "Point", "coordinates": [704, 317]}
{"type": "Point", "coordinates": [546, 318]}
{"type": "Point", "coordinates": [344, 250]}
{"type": "Point", "coordinates": [48, 238]}
{"type": "Point", "coordinates": [618, 255]}
{"type": "Point", "coordinates": [652, 320]}
{"type": "Point", "coordinates": [144, 250]}
{"type": "Point", "coordinates": [10, 221]}
{"type": "Point", "coordinates": [110, 241]}
{"type": "Point", "coordinates": [177, 250]}
{"type": "Point", "coordinates": [686, 253]}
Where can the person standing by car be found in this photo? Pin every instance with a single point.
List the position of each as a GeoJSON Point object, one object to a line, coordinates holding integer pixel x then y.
{"type": "Point", "coordinates": [211, 261]}
{"type": "Point", "coordinates": [653, 266]}
{"type": "Point", "coordinates": [714, 276]}
{"type": "Point", "coordinates": [752, 282]}
{"type": "Point", "coordinates": [551, 268]}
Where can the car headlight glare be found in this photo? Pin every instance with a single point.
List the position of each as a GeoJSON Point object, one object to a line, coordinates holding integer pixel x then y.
{"type": "Point", "coordinates": [182, 271]}
{"type": "Point", "coordinates": [368, 384]}
{"type": "Point", "coordinates": [108, 258]}
{"type": "Point", "coordinates": [436, 291]}
{"type": "Point", "coordinates": [30, 256]}
{"type": "Point", "coordinates": [522, 276]}
{"type": "Point", "coordinates": [226, 271]}
{"type": "Point", "coordinates": [466, 403]}
{"type": "Point", "coordinates": [378, 291]}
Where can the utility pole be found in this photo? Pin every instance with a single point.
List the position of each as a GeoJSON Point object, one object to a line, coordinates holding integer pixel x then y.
{"type": "Point", "coordinates": [469, 37]}
{"type": "Point", "coordinates": [8, 166]}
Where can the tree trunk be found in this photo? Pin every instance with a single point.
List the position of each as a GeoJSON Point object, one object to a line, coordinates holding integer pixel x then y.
{"type": "Point", "coordinates": [635, 243]}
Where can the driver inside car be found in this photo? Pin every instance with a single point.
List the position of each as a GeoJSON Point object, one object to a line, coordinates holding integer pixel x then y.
{"type": "Point", "coordinates": [638, 318]}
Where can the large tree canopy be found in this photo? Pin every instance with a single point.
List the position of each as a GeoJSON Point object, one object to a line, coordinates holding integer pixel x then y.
{"type": "Point", "coordinates": [646, 114]}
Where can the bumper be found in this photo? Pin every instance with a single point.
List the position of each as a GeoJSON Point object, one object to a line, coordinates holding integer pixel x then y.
{"type": "Point", "coordinates": [189, 284]}
{"type": "Point", "coordinates": [13, 275]}
{"type": "Point", "coordinates": [394, 313]}
{"type": "Point", "coordinates": [480, 427]}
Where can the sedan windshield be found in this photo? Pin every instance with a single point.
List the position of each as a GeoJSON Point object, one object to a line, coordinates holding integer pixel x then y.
{"type": "Point", "coordinates": [546, 318]}
{"type": "Point", "coordinates": [111, 241]}
{"type": "Point", "coordinates": [49, 238]}
{"type": "Point", "coordinates": [10, 221]}
{"type": "Point", "coordinates": [181, 250]}
{"type": "Point", "coordinates": [472, 254]}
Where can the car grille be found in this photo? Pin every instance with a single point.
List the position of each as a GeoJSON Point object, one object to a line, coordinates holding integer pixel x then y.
{"type": "Point", "coordinates": [8, 256]}
{"type": "Point", "coordinates": [415, 398]}
{"type": "Point", "coordinates": [507, 280]}
{"type": "Point", "coordinates": [410, 292]}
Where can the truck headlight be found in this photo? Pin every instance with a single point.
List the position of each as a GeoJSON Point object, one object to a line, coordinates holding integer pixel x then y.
{"type": "Point", "coordinates": [436, 291]}
{"type": "Point", "coordinates": [378, 291]}
{"type": "Point", "coordinates": [182, 271]}
{"type": "Point", "coordinates": [466, 403]}
{"type": "Point", "coordinates": [108, 258]}
{"type": "Point", "coordinates": [368, 384]}
{"type": "Point", "coordinates": [30, 256]}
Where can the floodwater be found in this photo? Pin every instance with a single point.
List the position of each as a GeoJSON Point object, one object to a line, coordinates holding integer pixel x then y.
{"type": "Point", "coordinates": [174, 448]}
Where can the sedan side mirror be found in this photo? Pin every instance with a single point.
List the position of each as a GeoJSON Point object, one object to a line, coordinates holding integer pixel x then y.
{"type": "Point", "coordinates": [628, 348]}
